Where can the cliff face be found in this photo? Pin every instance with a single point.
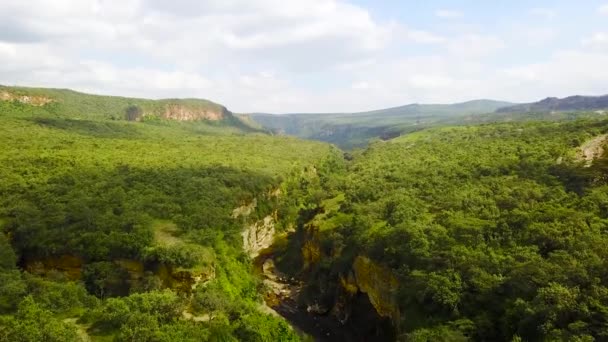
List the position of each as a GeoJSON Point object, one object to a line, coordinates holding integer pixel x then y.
{"type": "Point", "coordinates": [68, 265]}
{"type": "Point", "coordinates": [380, 285]}
{"type": "Point", "coordinates": [366, 286]}
{"type": "Point", "coordinates": [108, 107]}
{"type": "Point", "coordinates": [71, 267]}
{"type": "Point", "coordinates": [259, 236]}
{"type": "Point", "coordinates": [183, 281]}
{"type": "Point", "coordinates": [25, 99]}
{"type": "Point", "coordinates": [181, 112]}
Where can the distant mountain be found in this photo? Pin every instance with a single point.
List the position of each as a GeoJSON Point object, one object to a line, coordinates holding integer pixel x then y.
{"type": "Point", "coordinates": [571, 103]}
{"type": "Point", "coordinates": [349, 130]}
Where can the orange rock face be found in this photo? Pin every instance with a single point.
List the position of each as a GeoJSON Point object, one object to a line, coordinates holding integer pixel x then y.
{"type": "Point", "coordinates": [31, 100]}
{"type": "Point", "coordinates": [183, 113]}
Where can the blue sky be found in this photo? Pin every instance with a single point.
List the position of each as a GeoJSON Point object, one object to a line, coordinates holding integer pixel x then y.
{"type": "Point", "coordinates": [308, 56]}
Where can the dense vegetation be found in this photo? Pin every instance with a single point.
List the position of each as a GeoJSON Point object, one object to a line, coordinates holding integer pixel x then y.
{"type": "Point", "coordinates": [105, 209]}
{"type": "Point", "coordinates": [494, 232]}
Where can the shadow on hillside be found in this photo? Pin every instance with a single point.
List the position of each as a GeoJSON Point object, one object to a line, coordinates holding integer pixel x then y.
{"type": "Point", "coordinates": [98, 129]}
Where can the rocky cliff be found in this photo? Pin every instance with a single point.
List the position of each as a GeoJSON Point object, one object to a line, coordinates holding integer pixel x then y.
{"type": "Point", "coordinates": [364, 293]}
{"type": "Point", "coordinates": [25, 99]}
{"type": "Point", "coordinates": [378, 282]}
{"type": "Point", "coordinates": [257, 235]}
{"type": "Point", "coordinates": [183, 112]}
{"type": "Point", "coordinates": [71, 267]}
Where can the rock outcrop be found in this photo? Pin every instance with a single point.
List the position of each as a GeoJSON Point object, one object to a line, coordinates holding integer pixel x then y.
{"type": "Point", "coordinates": [592, 149]}
{"type": "Point", "coordinates": [32, 100]}
{"type": "Point", "coordinates": [71, 267]}
{"type": "Point", "coordinates": [68, 265]}
{"type": "Point", "coordinates": [259, 236]}
{"type": "Point", "coordinates": [366, 278]}
{"type": "Point", "coordinates": [184, 281]}
{"type": "Point", "coordinates": [380, 285]}
{"type": "Point", "coordinates": [182, 112]}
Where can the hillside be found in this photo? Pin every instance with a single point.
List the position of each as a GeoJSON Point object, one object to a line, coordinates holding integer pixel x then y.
{"type": "Point", "coordinates": [349, 130]}
{"type": "Point", "coordinates": [71, 104]}
{"type": "Point", "coordinates": [123, 230]}
{"type": "Point", "coordinates": [208, 229]}
{"type": "Point", "coordinates": [571, 103]}
{"type": "Point", "coordinates": [493, 232]}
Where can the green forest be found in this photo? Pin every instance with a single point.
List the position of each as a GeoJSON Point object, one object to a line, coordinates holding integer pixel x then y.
{"type": "Point", "coordinates": [114, 229]}
{"type": "Point", "coordinates": [494, 232]}
{"type": "Point", "coordinates": [105, 221]}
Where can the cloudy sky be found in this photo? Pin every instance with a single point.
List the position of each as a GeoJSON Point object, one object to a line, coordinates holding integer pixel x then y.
{"type": "Point", "coordinates": [308, 55]}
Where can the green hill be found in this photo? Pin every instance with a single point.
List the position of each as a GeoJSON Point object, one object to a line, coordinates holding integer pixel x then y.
{"type": "Point", "coordinates": [70, 104]}
{"type": "Point", "coordinates": [349, 130]}
{"type": "Point", "coordinates": [570, 103]}
{"type": "Point", "coordinates": [493, 232]}
{"type": "Point", "coordinates": [126, 227]}
{"type": "Point", "coordinates": [175, 220]}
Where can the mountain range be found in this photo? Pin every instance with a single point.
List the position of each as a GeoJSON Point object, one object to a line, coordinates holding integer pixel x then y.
{"type": "Point", "coordinates": [570, 103]}
{"type": "Point", "coordinates": [349, 130]}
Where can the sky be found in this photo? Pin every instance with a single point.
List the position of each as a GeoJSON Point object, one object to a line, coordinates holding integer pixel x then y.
{"type": "Point", "coordinates": [284, 56]}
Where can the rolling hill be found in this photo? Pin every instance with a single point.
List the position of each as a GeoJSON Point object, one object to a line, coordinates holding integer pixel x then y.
{"type": "Point", "coordinates": [349, 130]}
{"type": "Point", "coordinates": [570, 103]}
{"type": "Point", "coordinates": [100, 210]}
{"type": "Point", "coordinates": [75, 105]}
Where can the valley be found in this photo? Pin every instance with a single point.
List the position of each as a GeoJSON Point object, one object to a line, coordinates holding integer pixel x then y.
{"type": "Point", "coordinates": [161, 220]}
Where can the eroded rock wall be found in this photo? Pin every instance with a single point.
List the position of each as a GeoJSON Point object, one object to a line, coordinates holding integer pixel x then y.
{"type": "Point", "coordinates": [25, 99]}
{"type": "Point", "coordinates": [181, 112]}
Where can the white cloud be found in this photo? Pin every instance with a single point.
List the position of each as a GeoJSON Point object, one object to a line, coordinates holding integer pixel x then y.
{"type": "Point", "coordinates": [424, 37]}
{"type": "Point", "coordinates": [565, 73]}
{"type": "Point", "coordinates": [447, 13]}
{"type": "Point", "coordinates": [603, 9]}
{"type": "Point", "coordinates": [430, 81]}
{"type": "Point", "coordinates": [598, 40]}
{"type": "Point", "coordinates": [362, 85]}
{"type": "Point", "coordinates": [287, 55]}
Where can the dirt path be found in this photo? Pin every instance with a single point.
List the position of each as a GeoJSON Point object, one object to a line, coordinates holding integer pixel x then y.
{"type": "Point", "coordinates": [592, 149]}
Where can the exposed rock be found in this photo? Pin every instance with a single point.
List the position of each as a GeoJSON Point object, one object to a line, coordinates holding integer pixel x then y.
{"type": "Point", "coordinates": [135, 268]}
{"type": "Point", "coordinates": [379, 283]}
{"type": "Point", "coordinates": [317, 309]}
{"type": "Point", "coordinates": [276, 193]}
{"type": "Point", "coordinates": [592, 149]}
{"type": "Point", "coordinates": [179, 112]}
{"type": "Point", "coordinates": [69, 265]}
{"type": "Point", "coordinates": [184, 281]}
{"type": "Point", "coordinates": [190, 317]}
{"type": "Point", "coordinates": [245, 210]}
{"type": "Point", "coordinates": [32, 100]}
{"type": "Point", "coordinates": [259, 236]}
